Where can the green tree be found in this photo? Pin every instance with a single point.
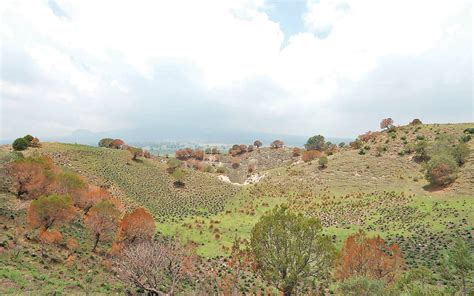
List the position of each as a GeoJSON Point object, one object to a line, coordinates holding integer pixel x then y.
{"type": "Point", "coordinates": [105, 142]}
{"type": "Point", "coordinates": [458, 265]}
{"type": "Point", "coordinates": [421, 150]}
{"type": "Point", "coordinates": [315, 143]}
{"type": "Point", "coordinates": [290, 248]}
{"type": "Point", "coordinates": [20, 144]}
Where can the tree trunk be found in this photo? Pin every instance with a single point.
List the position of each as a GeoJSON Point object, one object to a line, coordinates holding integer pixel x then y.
{"type": "Point", "coordinates": [97, 237]}
{"type": "Point", "coordinates": [288, 291]}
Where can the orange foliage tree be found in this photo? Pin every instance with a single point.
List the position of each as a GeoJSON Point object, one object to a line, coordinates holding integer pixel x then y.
{"type": "Point", "coordinates": [31, 176]}
{"type": "Point", "coordinates": [102, 220]}
{"type": "Point", "coordinates": [88, 198]}
{"type": "Point", "coordinates": [136, 226]}
{"type": "Point", "coordinates": [50, 211]}
{"type": "Point", "coordinates": [369, 257]}
{"type": "Point", "coordinates": [68, 183]}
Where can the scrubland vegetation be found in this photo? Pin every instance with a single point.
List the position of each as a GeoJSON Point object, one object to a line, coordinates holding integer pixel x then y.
{"type": "Point", "coordinates": [390, 213]}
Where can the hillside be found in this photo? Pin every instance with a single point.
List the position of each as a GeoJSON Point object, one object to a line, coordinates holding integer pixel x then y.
{"type": "Point", "coordinates": [384, 195]}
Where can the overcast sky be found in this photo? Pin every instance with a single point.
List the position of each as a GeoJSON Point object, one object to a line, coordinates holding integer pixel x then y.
{"type": "Point", "coordinates": [333, 67]}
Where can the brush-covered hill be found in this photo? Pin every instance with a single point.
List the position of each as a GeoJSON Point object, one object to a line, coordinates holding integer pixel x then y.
{"type": "Point", "coordinates": [378, 187]}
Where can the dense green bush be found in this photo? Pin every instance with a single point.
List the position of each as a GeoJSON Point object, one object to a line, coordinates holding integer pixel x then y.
{"type": "Point", "coordinates": [315, 143]}
{"type": "Point", "coordinates": [460, 153]}
{"type": "Point", "coordinates": [20, 144]}
{"type": "Point", "coordinates": [465, 138]}
{"type": "Point", "coordinates": [469, 130]}
{"type": "Point", "coordinates": [28, 138]}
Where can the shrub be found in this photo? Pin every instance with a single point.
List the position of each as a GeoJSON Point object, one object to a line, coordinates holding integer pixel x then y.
{"type": "Point", "coordinates": [117, 144]}
{"type": "Point", "coordinates": [32, 176]}
{"type": "Point", "coordinates": [136, 227]}
{"type": "Point", "coordinates": [296, 152]}
{"type": "Point", "coordinates": [257, 143]}
{"type": "Point", "coordinates": [102, 220]}
{"type": "Point", "coordinates": [277, 144]}
{"type": "Point", "coordinates": [361, 285]}
{"type": "Point", "coordinates": [420, 137]}
{"type": "Point", "coordinates": [235, 162]}
{"type": "Point", "coordinates": [415, 121]}
{"type": "Point", "coordinates": [35, 143]}
{"type": "Point", "coordinates": [315, 143]}
{"type": "Point", "coordinates": [20, 144]}
{"type": "Point", "coordinates": [441, 170]}
{"type": "Point", "coordinates": [50, 211]}
{"type": "Point", "coordinates": [357, 144]}
{"type": "Point", "coordinates": [179, 174]}
{"type": "Point", "coordinates": [173, 164]}
{"type": "Point", "coordinates": [342, 144]}
{"type": "Point", "coordinates": [380, 149]}
{"type": "Point", "coordinates": [323, 161]}
{"type": "Point", "coordinates": [369, 257]}
{"type": "Point", "coordinates": [460, 153]}
{"type": "Point", "coordinates": [469, 130]}
{"type": "Point", "coordinates": [311, 155]}
{"type": "Point", "coordinates": [386, 123]}
{"type": "Point", "coordinates": [362, 151]}
{"type": "Point", "coordinates": [465, 138]}
{"type": "Point", "coordinates": [221, 170]}
{"type": "Point", "coordinates": [421, 150]}
{"type": "Point", "coordinates": [250, 148]}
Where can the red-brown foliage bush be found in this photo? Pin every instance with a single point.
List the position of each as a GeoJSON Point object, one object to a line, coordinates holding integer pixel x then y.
{"type": "Point", "coordinates": [369, 257]}
{"type": "Point", "coordinates": [310, 155]}
{"type": "Point", "coordinates": [136, 226]}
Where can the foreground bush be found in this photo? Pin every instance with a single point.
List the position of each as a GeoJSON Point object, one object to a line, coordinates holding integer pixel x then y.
{"type": "Point", "coordinates": [289, 248]}
{"type": "Point", "coordinates": [20, 144]}
{"type": "Point", "coordinates": [50, 211]}
{"type": "Point", "coordinates": [441, 170]}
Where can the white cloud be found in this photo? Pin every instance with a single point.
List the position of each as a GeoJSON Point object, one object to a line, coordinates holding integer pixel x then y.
{"type": "Point", "coordinates": [86, 54]}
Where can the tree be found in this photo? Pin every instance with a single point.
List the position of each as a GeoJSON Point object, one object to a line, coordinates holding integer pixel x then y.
{"type": "Point", "coordinates": [323, 161]}
{"type": "Point", "coordinates": [369, 257]}
{"type": "Point", "coordinates": [50, 211]}
{"type": "Point", "coordinates": [421, 150]}
{"type": "Point", "coordinates": [257, 143]}
{"type": "Point", "coordinates": [155, 267]}
{"type": "Point", "coordinates": [35, 143]}
{"type": "Point", "coordinates": [102, 220]}
{"type": "Point", "coordinates": [415, 121]}
{"type": "Point", "coordinates": [198, 154]}
{"type": "Point", "coordinates": [441, 170]}
{"type": "Point", "coordinates": [315, 143]}
{"type": "Point", "coordinates": [105, 142]}
{"type": "Point", "coordinates": [135, 227]}
{"type": "Point", "coordinates": [20, 144]}
{"type": "Point", "coordinates": [28, 138]}
{"type": "Point", "coordinates": [31, 175]}
{"type": "Point", "coordinates": [277, 144]}
{"type": "Point", "coordinates": [68, 183]}
{"type": "Point", "coordinates": [386, 123]}
{"type": "Point", "coordinates": [342, 144]}
{"type": "Point", "coordinates": [289, 248]}
{"type": "Point", "coordinates": [250, 148]}
{"type": "Point", "coordinates": [458, 264]}
{"type": "Point", "coordinates": [117, 144]}
{"type": "Point", "coordinates": [88, 198]}
{"type": "Point", "coordinates": [179, 174]}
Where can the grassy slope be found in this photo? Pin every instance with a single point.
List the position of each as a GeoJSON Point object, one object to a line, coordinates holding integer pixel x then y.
{"type": "Point", "coordinates": [143, 182]}
{"type": "Point", "coordinates": [348, 195]}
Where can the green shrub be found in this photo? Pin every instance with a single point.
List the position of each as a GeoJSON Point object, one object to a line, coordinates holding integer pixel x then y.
{"type": "Point", "coordinates": [420, 137]}
{"type": "Point", "coordinates": [469, 130]}
{"type": "Point", "coordinates": [465, 138]}
{"type": "Point", "coordinates": [20, 144]}
{"type": "Point", "coordinates": [460, 153]}
{"type": "Point", "coordinates": [362, 286]}
{"type": "Point", "coordinates": [323, 161]}
{"type": "Point", "coordinates": [441, 170]}
{"type": "Point", "coordinates": [362, 151]}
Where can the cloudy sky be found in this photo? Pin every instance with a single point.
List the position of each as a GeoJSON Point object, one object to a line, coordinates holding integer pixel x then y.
{"type": "Point", "coordinates": [334, 67]}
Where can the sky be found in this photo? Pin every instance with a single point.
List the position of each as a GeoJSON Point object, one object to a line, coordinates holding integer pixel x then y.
{"type": "Point", "coordinates": [331, 67]}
